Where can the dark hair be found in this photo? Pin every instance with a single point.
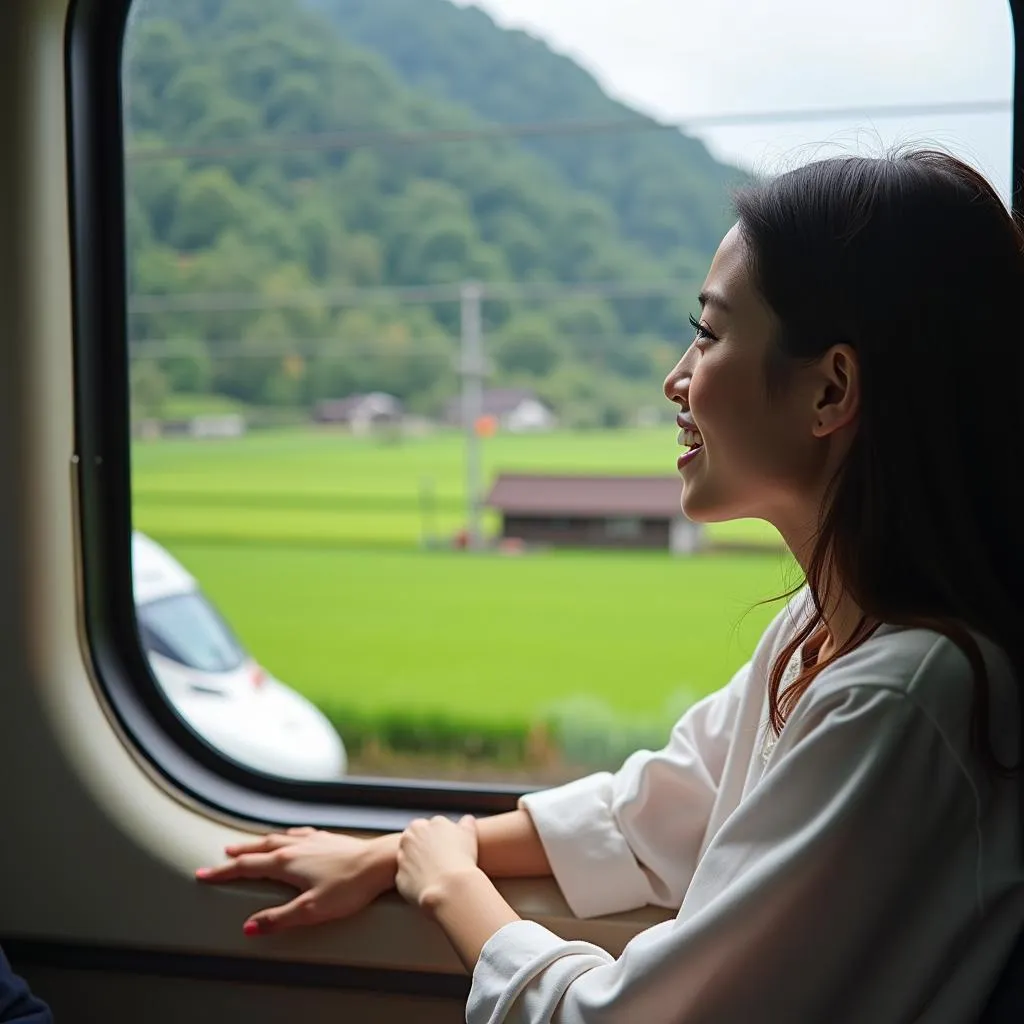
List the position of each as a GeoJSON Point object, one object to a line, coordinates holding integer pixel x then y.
{"type": "Point", "coordinates": [914, 261]}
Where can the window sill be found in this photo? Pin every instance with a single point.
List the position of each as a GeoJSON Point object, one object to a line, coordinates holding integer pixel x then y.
{"type": "Point", "coordinates": [392, 935]}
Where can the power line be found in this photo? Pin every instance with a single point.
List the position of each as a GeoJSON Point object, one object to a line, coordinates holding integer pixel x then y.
{"type": "Point", "coordinates": [268, 348]}
{"type": "Point", "coordinates": [225, 302]}
{"type": "Point", "coordinates": [340, 141]}
{"type": "Point", "coordinates": [143, 349]}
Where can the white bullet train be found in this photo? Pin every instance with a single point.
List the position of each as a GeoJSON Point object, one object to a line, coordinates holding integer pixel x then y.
{"type": "Point", "coordinates": [216, 685]}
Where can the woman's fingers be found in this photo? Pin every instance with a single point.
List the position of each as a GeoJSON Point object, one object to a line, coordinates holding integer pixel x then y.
{"type": "Point", "coordinates": [298, 912]}
{"type": "Point", "coordinates": [333, 874]}
{"type": "Point", "coordinates": [265, 844]}
{"type": "Point", "coordinates": [247, 865]}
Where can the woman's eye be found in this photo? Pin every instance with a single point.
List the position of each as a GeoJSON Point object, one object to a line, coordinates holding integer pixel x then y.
{"type": "Point", "coordinates": [701, 330]}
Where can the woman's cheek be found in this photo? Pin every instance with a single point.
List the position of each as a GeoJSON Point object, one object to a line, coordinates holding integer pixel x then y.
{"type": "Point", "coordinates": [702, 389]}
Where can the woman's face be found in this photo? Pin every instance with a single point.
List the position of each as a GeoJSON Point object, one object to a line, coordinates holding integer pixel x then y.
{"type": "Point", "coordinates": [756, 455]}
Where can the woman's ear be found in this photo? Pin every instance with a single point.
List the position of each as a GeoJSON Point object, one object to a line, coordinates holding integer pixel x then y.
{"type": "Point", "coordinates": [837, 391]}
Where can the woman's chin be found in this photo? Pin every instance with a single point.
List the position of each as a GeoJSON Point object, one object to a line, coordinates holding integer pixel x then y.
{"type": "Point", "coordinates": [694, 510]}
{"type": "Point", "coordinates": [699, 508]}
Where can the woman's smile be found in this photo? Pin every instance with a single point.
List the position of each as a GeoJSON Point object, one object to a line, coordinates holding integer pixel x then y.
{"type": "Point", "coordinates": [690, 436]}
{"type": "Point", "coordinates": [687, 457]}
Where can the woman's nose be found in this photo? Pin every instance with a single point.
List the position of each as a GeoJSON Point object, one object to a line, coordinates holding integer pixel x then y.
{"type": "Point", "coordinates": [677, 383]}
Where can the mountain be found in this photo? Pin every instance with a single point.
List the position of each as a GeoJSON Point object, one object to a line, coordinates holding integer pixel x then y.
{"type": "Point", "coordinates": [234, 245]}
{"type": "Point", "coordinates": [666, 190]}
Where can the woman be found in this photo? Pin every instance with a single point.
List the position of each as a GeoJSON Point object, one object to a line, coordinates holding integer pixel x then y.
{"type": "Point", "coordinates": [839, 827]}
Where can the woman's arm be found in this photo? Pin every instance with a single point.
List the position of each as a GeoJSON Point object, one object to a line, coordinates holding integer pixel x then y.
{"type": "Point", "coordinates": [608, 844]}
{"type": "Point", "coordinates": [606, 838]}
{"type": "Point", "coordinates": [510, 847]}
{"type": "Point", "coordinates": [337, 875]}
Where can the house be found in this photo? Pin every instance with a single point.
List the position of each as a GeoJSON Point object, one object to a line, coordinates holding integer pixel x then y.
{"type": "Point", "coordinates": [360, 413]}
{"type": "Point", "coordinates": [595, 511]}
{"type": "Point", "coordinates": [513, 409]}
{"type": "Point", "coordinates": [216, 425]}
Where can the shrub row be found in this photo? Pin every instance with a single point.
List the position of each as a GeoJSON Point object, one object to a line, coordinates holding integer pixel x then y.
{"type": "Point", "coordinates": [580, 731]}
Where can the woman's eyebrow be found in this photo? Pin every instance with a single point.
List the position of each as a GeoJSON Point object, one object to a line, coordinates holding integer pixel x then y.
{"type": "Point", "coordinates": [712, 298]}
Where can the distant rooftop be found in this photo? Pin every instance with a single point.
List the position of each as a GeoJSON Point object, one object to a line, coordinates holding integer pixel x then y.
{"type": "Point", "coordinates": [496, 401]}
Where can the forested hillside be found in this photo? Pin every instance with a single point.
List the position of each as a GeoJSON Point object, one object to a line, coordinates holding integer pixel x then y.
{"type": "Point", "coordinates": [233, 256]}
{"type": "Point", "coordinates": [665, 188]}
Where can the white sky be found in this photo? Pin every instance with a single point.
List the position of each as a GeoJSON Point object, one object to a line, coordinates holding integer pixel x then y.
{"type": "Point", "coordinates": [672, 58]}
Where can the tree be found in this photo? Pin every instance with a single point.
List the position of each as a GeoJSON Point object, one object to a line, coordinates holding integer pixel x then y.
{"type": "Point", "coordinates": [529, 344]}
{"type": "Point", "coordinates": [155, 187]}
{"type": "Point", "coordinates": [209, 203]}
{"type": "Point", "coordinates": [186, 366]}
{"type": "Point", "coordinates": [159, 47]}
{"type": "Point", "coordinates": [148, 390]}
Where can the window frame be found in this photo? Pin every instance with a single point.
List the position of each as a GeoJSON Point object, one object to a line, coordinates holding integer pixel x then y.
{"type": "Point", "coordinates": [102, 476]}
{"type": "Point", "coordinates": [101, 467]}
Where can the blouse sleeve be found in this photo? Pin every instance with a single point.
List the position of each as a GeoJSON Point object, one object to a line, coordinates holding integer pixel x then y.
{"type": "Point", "coordinates": [623, 840]}
{"type": "Point", "coordinates": [803, 881]}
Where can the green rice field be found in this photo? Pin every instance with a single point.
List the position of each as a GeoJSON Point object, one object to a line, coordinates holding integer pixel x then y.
{"type": "Point", "coordinates": [328, 554]}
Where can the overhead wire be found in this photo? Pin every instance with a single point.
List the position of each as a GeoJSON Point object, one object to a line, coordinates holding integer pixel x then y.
{"type": "Point", "coordinates": [222, 302]}
{"type": "Point", "coordinates": [440, 293]}
{"type": "Point", "coordinates": [142, 349]}
{"type": "Point", "coordinates": [347, 140]}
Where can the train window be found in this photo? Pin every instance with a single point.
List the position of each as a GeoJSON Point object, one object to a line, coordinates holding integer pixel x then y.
{"type": "Point", "coordinates": [185, 629]}
{"type": "Point", "coordinates": [403, 280]}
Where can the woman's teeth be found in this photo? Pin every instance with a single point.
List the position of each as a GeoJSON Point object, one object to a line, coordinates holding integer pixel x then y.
{"type": "Point", "coordinates": [691, 438]}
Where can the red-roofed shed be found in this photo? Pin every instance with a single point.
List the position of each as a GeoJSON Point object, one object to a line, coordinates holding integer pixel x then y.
{"type": "Point", "coordinates": [595, 511]}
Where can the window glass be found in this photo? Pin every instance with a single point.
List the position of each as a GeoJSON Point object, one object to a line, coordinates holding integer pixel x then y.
{"type": "Point", "coordinates": [405, 277]}
{"type": "Point", "coordinates": [625, 528]}
{"type": "Point", "coordinates": [185, 629]}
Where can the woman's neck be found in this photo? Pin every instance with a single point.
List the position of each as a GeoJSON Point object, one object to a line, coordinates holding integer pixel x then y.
{"type": "Point", "coordinates": [841, 615]}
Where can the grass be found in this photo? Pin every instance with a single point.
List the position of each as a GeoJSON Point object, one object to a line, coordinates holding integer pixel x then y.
{"type": "Point", "coordinates": [506, 637]}
{"type": "Point", "coordinates": [326, 487]}
{"type": "Point", "coordinates": [310, 543]}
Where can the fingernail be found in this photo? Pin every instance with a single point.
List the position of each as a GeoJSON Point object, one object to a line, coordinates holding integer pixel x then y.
{"type": "Point", "coordinates": [203, 872]}
{"type": "Point", "coordinates": [251, 928]}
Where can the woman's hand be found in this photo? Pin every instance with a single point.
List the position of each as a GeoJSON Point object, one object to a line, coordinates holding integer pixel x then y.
{"type": "Point", "coordinates": [336, 875]}
{"type": "Point", "coordinates": [432, 855]}
{"type": "Point", "coordinates": [437, 871]}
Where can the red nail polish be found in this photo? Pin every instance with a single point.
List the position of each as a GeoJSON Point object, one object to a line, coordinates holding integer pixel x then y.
{"type": "Point", "coordinates": [251, 928]}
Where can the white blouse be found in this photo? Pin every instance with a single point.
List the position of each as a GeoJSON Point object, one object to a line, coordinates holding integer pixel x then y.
{"type": "Point", "coordinates": [864, 867]}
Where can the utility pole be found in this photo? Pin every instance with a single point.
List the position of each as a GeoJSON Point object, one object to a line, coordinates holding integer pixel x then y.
{"type": "Point", "coordinates": [472, 371]}
{"type": "Point", "coordinates": [427, 509]}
